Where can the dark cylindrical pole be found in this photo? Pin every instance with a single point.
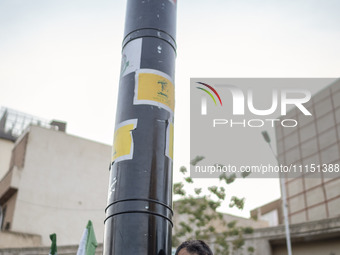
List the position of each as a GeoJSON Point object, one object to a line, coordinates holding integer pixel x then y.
{"type": "Point", "coordinates": [138, 215]}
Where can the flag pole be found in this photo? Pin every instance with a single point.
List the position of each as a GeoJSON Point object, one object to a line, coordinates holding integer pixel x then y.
{"type": "Point", "coordinates": [139, 212]}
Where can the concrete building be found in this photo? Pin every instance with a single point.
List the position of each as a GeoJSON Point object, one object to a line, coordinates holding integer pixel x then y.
{"type": "Point", "coordinates": [313, 193]}
{"type": "Point", "coordinates": [320, 237]}
{"type": "Point", "coordinates": [271, 213]}
{"type": "Point", "coordinates": [313, 144]}
{"type": "Point", "coordinates": [313, 196]}
{"type": "Point", "coordinates": [54, 183]}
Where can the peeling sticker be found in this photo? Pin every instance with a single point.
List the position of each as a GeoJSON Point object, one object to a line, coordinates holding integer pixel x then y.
{"type": "Point", "coordinates": [154, 88]}
{"type": "Point", "coordinates": [169, 140]}
{"type": "Point", "coordinates": [131, 57]}
{"type": "Point", "coordinates": [123, 141]}
{"type": "Point", "coordinates": [112, 189]}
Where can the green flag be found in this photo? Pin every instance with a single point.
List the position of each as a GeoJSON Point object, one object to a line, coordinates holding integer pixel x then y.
{"type": "Point", "coordinates": [88, 242]}
{"type": "Point", "coordinates": [53, 250]}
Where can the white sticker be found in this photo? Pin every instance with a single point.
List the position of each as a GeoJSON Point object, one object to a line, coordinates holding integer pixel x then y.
{"type": "Point", "coordinates": [131, 57]}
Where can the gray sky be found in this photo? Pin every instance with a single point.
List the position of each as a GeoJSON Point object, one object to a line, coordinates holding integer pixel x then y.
{"type": "Point", "coordinates": [61, 59]}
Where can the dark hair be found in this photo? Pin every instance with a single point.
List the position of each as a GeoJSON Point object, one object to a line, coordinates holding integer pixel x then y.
{"type": "Point", "coordinates": [195, 246]}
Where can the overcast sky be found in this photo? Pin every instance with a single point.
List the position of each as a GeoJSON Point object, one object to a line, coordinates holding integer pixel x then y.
{"type": "Point", "coordinates": [60, 59]}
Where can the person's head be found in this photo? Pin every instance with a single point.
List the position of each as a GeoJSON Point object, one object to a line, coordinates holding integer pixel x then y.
{"type": "Point", "coordinates": [193, 247]}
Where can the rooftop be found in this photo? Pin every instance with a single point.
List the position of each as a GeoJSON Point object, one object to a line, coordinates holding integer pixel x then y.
{"type": "Point", "coordinates": [13, 123]}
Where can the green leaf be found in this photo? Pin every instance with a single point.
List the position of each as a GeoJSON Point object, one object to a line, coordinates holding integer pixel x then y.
{"type": "Point", "coordinates": [185, 227]}
{"type": "Point", "coordinates": [178, 189]}
{"type": "Point", "coordinates": [246, 173]}
{"type": "Point", "coordinates": [213, 189]}
{"type": "Point", "coordinates": [219, 192]}
{"type": "Point", "coordinates": [198, 191]}
{"type": "Point", "coordinates": [211, 229]}
{"type": "Point", "coordinates": [231, 178]}
{"type": "Point", "coordinates": [183, 169]}
{"type": "Point", "coordinates": [251, 249]}
{"type": "Point", "coordinates": [228, 179]}
{"type": "Point", "coordinates": [234, 232]}
{"type": "Point", "coordinates": [197, 159]}
{"type": "Point", "coordinates": [239, 203]}
{"type": "Point", "coordinates": [248, 230]}
{"type": "Point", "coordinates": [188, 180]}
{"type": "Point", "coordinates": [238, 243]}
{"type": "Point", "coordinates": [232, 224]}
{"type": "Point", "coordinates": [214, 205]}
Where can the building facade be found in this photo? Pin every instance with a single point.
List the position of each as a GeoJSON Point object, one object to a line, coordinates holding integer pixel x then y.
{"type": "Point", "coordinates": [319, 237]}
{"type": "Point", "coordinates": [314, 144]}
{"type": "Point", "coordinates": [54, 183]}
{"type": "Point", "coordinates": [313, 194]}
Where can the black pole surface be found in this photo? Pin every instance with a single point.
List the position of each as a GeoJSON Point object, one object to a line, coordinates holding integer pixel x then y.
{"type": "Point", "coordinates": [138, 215]}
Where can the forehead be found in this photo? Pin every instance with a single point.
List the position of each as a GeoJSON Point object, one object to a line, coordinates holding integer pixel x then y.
{"type": "Point", "coordinates": [185, 252]}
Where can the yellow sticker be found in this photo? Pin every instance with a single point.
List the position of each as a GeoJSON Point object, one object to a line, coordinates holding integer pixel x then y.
{"type": "Point", "coordinates": [123, 141]}
{"type": "Point", "coordinates": [155, 88]}
{"type": "Point", "coordinates": [170, 141]}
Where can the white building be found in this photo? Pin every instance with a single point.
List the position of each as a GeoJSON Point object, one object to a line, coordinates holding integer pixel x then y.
{"type": "Point", "coordinates": [55, 183]}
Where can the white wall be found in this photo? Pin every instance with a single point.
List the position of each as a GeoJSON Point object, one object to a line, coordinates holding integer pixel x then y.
{"type": "Point", "coordinates": [271, 217]}
{"type": "Point", "coordinates": [63, 184]}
